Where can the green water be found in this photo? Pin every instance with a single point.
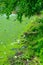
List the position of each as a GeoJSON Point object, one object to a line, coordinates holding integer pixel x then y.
{"type": "Point", "coordinates": [10, 31]}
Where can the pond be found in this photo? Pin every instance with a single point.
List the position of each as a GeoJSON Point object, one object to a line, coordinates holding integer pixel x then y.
{"type": "Point", "coordinates": [10, 32]}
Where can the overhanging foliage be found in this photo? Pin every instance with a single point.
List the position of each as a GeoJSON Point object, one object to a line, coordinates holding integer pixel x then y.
{"type": "Point", "coordinates": [26, 7]}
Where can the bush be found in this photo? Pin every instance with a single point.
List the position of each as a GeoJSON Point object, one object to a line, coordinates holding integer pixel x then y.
{"type": "Point", "coordinates": [22, 7]}
{"type": "Point", "coordinates": [31, 51]}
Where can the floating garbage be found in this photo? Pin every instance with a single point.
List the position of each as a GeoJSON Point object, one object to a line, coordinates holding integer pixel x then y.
{"type": "Point", "coordinates": [15, 56]}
